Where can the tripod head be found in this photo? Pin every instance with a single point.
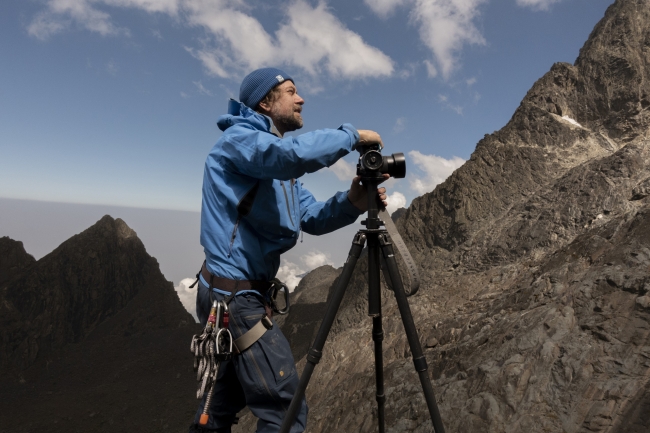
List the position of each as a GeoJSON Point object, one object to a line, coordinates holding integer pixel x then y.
{"type": "Point", "coordinates": [371, 167]}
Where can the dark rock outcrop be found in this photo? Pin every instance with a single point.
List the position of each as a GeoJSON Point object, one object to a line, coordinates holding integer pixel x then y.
{"type": "Point", "coordinates": [534, 308]}
{"type": "Point", "coordinates": [93, 338]}
{"type": "Point", "coordinates": [13, 259]}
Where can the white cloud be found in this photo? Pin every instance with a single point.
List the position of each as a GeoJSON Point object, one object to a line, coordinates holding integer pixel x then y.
{"type": "Point", "coordinates": [395, 201]}
{"type": "Point", "coordinates": [310, 38]}
{"type": "Point", "coordinates": [383, 8]}
{"type": "Point", "coordinates": [314, 39]}
{"type": "Point", "coordinates": [344, 170]}
{"type": "Point", "coordinates": [187, 295]}
{"type": "Point", "coordinates": [290, 274]}
{"type": "Point", "coordinates": [436, 169]}
{"type": "Point", "coordinates": [445, 27]}
{"type": "Point", "coordinates": [60, 14]}
{"type": "Point", "coordinates": [400, 125]}
{"type": "Point", "coordinates": [470, 82]}
{"type": "Point", "coordinates": [537, 5]}
{"type": "Point", "coordinates": [315, 259]}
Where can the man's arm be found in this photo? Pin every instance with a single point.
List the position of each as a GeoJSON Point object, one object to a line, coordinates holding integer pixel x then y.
{"type": "Point", "coordinates": [344, 208]}
{"type": "Point", "coordinates": [318, 217]}
{"type": "Point", "coordinates": [262, 155]}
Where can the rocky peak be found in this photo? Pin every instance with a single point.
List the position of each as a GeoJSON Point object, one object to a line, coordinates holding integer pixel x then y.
{"type": "Point", "coordinates": [68, 293]}
{"type": "Point", "coordinates": [13, 259]}
{"type": "Point", "coordinates": [574, 114]}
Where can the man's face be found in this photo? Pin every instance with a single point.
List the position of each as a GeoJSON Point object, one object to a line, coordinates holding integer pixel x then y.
{"type": "Point", "coordinates": [285, 110]}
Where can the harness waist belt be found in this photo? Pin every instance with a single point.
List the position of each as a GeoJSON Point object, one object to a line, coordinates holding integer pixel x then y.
{"type": "Point", "coordinates": [234, 286]}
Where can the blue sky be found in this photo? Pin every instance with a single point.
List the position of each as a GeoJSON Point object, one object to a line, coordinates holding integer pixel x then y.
{"type": "Point", "coordinates": [114, 102]}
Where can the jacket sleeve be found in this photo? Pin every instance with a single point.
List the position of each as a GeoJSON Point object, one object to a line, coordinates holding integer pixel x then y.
{"type": "Point", "coordinates": [262, 155]}
{"type": "Point", "coordinates": [318, 218]}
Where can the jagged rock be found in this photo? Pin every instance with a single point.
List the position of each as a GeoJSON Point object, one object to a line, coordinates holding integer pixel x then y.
{"type": "Point", "coordinates": [642, 190]}
{"type": "Point", "coordinates": [398, 214]}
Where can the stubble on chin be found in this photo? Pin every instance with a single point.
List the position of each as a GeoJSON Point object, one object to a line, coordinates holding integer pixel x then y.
{"type": "Point", "coordinates": [289, 123]}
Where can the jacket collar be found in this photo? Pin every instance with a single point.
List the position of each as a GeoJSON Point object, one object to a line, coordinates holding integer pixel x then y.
{"type": "Point", "coordinates": [240, 113]}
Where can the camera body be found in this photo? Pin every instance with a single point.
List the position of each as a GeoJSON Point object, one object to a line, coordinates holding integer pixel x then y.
{"type": "Point", "coordinates": [372, 164]}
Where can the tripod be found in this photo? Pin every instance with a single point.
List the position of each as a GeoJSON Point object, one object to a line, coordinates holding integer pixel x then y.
{"type": "Point", "coordinates": [378, 242]}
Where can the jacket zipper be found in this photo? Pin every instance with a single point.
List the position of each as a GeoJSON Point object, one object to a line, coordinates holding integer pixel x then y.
{"type": "Point", "coordinates": [286, 198]}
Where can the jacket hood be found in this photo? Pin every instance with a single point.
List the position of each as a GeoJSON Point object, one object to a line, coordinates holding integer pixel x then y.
{"type": "Point", "coordinates": [243, 114]}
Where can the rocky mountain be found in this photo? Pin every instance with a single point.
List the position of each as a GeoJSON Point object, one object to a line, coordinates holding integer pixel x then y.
{"type": "Point", "coordinates": [534, 308]}
{"type": "Point", "coordinates": [93, 338]}
{"type": "Point", "coordinates": [13, 259]}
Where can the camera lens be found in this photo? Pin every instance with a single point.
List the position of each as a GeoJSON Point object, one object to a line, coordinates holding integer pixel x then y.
{"type": "Point", "coordinates": [395, 165]}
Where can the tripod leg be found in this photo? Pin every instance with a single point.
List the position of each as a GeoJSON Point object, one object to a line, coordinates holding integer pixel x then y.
{"type": "Point", "coordinates": [378, 337]}
{"type": "Point", "coordinates": [374, 310]}
{"type": "Point", "coordinates": [411, 333]}
{"type": "Point", "coordinates": [315, 352]}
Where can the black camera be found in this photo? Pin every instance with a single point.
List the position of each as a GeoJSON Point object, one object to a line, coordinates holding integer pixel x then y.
{"type": "Point", "coordinates": [372, 163]}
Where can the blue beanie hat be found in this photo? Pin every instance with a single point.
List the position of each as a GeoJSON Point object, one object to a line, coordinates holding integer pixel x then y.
{"type": "Point", "coordinates": [258, 83]}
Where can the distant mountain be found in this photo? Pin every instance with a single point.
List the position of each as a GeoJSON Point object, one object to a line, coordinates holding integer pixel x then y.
{"type": "Point", "coordinates": [535, 262]}
{"type": "Point", "coordinates": [93, 338]}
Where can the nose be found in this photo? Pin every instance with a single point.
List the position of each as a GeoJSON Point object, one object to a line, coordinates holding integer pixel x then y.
{"type": "Point", "coordinates": [298, 99]}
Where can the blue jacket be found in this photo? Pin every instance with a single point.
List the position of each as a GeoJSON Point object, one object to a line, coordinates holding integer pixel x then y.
{"type": "Point", "coordinates": [248, 154]}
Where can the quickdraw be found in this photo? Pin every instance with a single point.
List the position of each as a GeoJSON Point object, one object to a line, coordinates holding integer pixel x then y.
{"type": "Point", "coordinates": [210, 348]}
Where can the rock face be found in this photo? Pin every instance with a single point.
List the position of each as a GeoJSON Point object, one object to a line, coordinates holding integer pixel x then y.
{"type": "Point", "coordinates": [93, 338]}
{"type": "Point", "coordinates": [13, 259]}
{"type": "Point", "coordinates": [534, 308]}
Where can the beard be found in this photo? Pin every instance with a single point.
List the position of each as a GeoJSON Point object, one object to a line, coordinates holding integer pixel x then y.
{"type": "Point", "coordinates": [287, 122]}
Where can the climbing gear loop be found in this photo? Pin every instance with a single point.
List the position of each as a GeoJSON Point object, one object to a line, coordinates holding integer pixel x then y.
{"type": "Point", "coordinates": [210, 348]}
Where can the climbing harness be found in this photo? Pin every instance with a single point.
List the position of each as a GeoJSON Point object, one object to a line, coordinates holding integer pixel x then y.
{"type": "Point", "coordinates": [210, 348]}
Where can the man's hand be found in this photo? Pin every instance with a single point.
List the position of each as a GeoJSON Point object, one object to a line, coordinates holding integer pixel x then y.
{"type": "Point", "coordinates": [358, 193]}
{"type": "Point", "coordinates": [368, 137]}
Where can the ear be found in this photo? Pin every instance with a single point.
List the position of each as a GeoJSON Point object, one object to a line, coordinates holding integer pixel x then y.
{"type": "Point", "coordinates": [264, 106]}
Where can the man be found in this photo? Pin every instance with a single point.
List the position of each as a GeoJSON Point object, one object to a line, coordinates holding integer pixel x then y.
{"type": "Point", "coordinates": [253, 211]}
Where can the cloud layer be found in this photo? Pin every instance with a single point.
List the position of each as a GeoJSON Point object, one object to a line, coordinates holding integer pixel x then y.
{"type": "Point", "coordinates": [310, 38]}
{"type": "Point", "coordinates": [445, 27]}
